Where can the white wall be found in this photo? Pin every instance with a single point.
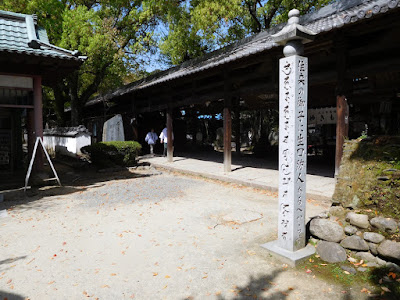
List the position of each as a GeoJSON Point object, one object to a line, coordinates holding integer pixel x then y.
{"type": "Point", "coordinates": [66, 145]}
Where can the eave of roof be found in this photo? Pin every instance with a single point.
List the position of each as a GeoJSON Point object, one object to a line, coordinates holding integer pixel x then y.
{"type": "Point", "coordinates": [20, 35]}
{"type": "Point", "coordinates": [333, 16]}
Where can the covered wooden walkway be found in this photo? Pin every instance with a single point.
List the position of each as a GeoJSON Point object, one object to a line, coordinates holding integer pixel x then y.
{"type": "Point", "coordinates": [353, 60]}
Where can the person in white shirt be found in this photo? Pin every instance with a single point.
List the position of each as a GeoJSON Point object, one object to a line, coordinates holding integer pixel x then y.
{"type": "Point", "coordinates": [151, 139]}
{"type": "Point", "coordinates": [164, 139]}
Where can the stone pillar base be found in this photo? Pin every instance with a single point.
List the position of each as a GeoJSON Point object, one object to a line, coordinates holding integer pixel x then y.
{"type": "Point", "coordinates": [289, 257]}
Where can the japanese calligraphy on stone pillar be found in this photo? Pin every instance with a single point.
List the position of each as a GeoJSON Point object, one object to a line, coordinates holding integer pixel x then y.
{"type": "Point", "coordinates": [292, 152]}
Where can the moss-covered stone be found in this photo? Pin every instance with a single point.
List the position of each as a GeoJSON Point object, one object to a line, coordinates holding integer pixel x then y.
{"type": "Point", "coordinates": [369, 175]}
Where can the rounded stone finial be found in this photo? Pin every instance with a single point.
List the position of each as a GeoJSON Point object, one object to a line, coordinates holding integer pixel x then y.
{"type": "Point", "coordinates": [294, 47]}
{"type": "Point", "coordinates": [294, 15]}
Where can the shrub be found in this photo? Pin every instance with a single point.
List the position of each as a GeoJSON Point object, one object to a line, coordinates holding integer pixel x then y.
{"type": "Point", "coordinates": [105, 154]}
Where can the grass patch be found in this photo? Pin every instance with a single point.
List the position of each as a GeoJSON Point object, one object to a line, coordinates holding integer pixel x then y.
{"type": "Point", "coordinates": [380, 281]}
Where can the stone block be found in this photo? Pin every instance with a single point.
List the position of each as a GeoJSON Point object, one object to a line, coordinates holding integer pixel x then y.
{"type": "Point", "coordinates": [373, 237]}
{"type": "Point", "coordinates": [354, 242]}
{"type": "Point", "coordinates": [366, 256]}
{"type": "Point", "coordinates": [331, 252]}
{"type": "Point", "coordinates": [386, 224]}
{"type": "Point", "coordinates": [326, 230]}
{"type": "Point", "coordinates": [373, 248]}
{"type": "Point", "coordinates": [390, 249]}
{"type": "Point", "coordinates": [358, 220]}
{"type": "Point", "coordinates": [350, 230]}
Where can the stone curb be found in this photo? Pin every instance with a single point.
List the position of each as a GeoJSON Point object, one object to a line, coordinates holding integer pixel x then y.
{"type": "Point", "coordinates": [234, 180]}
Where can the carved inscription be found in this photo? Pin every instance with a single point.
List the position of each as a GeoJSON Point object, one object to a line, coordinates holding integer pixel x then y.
{"type": "Point", "coordinates": [292, 151]}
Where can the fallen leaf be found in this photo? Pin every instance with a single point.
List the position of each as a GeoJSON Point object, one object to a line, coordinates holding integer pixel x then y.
{"type": "Point", "coordinates": [167, 276]}
{"type": "Point", "coordinates": [105, 286]}
{"type": "Point", "coordinates": [113, 274]}
{"type": "Point", "coordinates": [308, 271]}
{"type": "Point", "coordinates": [155, 274]}
{"type": "Point", "coordinates": [393, 275]}
{"type": "Point", "coordinates": [346, 272]}
{"type": "Point", "coordinates": [51, 282]}
{"type": "Point", "coordinates": [386, 289]}
{"type": "Point", "coordinates": [364, 290]}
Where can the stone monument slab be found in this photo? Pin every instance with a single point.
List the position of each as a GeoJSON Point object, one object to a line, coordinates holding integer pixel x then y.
{"type": "Point", "coordinates": [113, 129]}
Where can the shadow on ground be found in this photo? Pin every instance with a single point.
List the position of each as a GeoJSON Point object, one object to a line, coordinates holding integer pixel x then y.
{"type": "Point", "coordinates": [264, 287]}
{"type": "Point", "coordinates": [10, 296]}
{"type": "Point", "coordinates": [316, 165]}
{"type": "Point", "coordinates": [72, 181]}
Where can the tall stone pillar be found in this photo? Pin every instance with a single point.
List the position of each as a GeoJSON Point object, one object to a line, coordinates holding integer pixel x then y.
{"type": "Point", "coordinates": [293, 88]}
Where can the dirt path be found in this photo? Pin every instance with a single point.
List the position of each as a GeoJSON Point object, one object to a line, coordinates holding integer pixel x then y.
{"type": "Point", "coordinates": [156, 237]}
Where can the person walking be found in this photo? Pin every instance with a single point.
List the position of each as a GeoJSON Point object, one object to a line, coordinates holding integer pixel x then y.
{"type": "Point", "coordinates": [164, 140]}
{"type": "Point", "coordinates": [151, 139]}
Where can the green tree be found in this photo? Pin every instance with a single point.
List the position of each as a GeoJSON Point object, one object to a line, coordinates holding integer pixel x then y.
{"type": "Point", "coordinates": [199, 26]}
{"type": "Point", "coordinates": [111, 33]}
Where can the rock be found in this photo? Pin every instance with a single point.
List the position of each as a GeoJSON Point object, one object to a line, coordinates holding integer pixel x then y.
{"type": "Point", "coordinates": [326, 230]}
{"type": "Point", "coordinates": [366, 256]}
{"type": "Point", "coordinates": [372, 265]}
{"type": "Point", "coordinates": [389, 249]}
{"type": "Point", "coordinates": [351, 270]}
{"type": "Point", "coordinates": [336, 210]}
{"type": "Point", "coordinates": [361, 269]}
{"type": "Point", "coordinates": [373, 237]}
{"type": "Point", "coordinates": [354, 243]}
{"type": "Point", "coordinates": [331, 252]}
{"type": "Point", "coordinates": [358, 220]}
{"type": "Point", "coordinates": [393, 266]}
{"type": "Point", "coordinates": [323, 215]}
{"type": "Point", "coordinates": [373, 248]}
{"type": "Point", "coordinates": [386, 224]}
{"type": "Point", "coordinates": [380, 261]}
{"type": "Point", "coordinates": [350, 230]}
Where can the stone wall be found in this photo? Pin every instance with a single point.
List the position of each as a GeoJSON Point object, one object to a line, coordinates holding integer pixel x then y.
{"type": "Point", "coordinates": [369, 175]}
{"type": "Point", "coordinates": [345, 235]}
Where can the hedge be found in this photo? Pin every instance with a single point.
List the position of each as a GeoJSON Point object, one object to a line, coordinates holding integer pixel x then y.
{"type": "Point", "coordinates": [106, 154]}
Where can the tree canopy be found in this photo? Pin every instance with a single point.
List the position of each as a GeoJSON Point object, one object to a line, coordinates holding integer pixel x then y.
{"type": "Point", "coordinates": [115, 35]}
{"type": "Point", "coordinates": [111, 33]}
{"type": "Point", "coordinates": [199, 26]}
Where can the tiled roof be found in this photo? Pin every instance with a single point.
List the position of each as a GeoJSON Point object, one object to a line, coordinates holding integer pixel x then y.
{"type": "Point", "coordinates": [20, 34]}
{"type": "Point", "coordinates": [338, 14]}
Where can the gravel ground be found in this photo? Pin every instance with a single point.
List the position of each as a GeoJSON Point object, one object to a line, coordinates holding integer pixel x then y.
{"type": "Point", "coordinates": [152, 237]}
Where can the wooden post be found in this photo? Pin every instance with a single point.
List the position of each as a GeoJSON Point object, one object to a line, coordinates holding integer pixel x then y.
{"type": "Point", "coordinates": [30, 131]}
{"type": "Point", "coordinates": [227, 138]}
{"type": "Point", "coordinates": [237, 125]}
{"type": "Point", "coordinates": [227, 124]}
{"type": "Point", "coordinates": [170, 148]}
{"type": "Point", "coordinates": [343, 88]}
{"type": "Point", "coordinates": [38, 116]}
{"type": "Point", "coordinates": [342, 129]}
